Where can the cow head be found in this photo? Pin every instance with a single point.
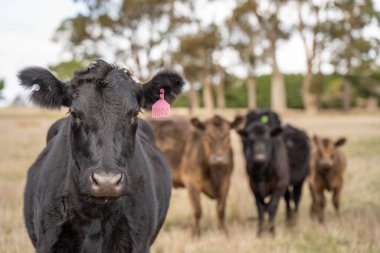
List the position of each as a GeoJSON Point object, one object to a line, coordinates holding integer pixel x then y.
{"type": "Point", "coordinates": [104, 102]}
{"type": "Point", "coordinates": [216, 138]}
{"type": "Point", "coordinates": [257, 142]}
{"type": "Point", "coordinates": [326, 151]}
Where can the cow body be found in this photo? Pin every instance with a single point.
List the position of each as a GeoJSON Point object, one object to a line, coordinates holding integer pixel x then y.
{"type": "Point", "coordinates": [327, 168]}
{"type": "Point", "coordinates": [277, 163]}
{"type": "Point", "coordinates": [100, 184]}
{"type": "Point", "coordinates": [298, 150]}
{"type": "Point", "coordinates": [201, 159]}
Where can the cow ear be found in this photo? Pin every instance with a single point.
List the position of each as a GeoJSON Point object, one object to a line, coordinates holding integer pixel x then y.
{"type": "Point", "coordinates": [340, 142]}
{"type": "Point", "coordinates": [197, 124]}
{"type": "Point", "coordinates": [242, 132]}
{"type": "Point", "coordinates": [276, 131]}
{"type": "Point", "coordinates": [47, 90]}
{"type": "Point", "coordinates": [237, 121]}
{"type": "Point", "coordinates": [170, 81]}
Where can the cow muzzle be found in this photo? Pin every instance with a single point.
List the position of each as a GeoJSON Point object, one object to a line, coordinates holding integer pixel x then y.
{"type": "Point", "coordinates": [104, 184]}
{"type": "Point", "coordinates": [260, 158]}
{"type": "Point", "coordinates": [219, 160]}
{"type": "Point", "coordinates": [325, 165]}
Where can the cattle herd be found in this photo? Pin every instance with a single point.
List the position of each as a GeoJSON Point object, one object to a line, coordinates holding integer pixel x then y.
{"type": "Point", "coordinates": [103, 182]}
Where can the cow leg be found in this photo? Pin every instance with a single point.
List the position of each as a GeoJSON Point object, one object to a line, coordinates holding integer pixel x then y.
{"type": "Point", "coordinates": [321, 203]}
{"type": "Point", "coordinates": [288, 207]}
{"type": "Point", "coordinates": [313, 207]}
{"type": "Point", "coordinates": [195, 201]}
{"type": "Point", "coordinates": [272, 209]}
{"type": "Point", "coordinates": [297, 193]}
{"type": "Point", "coordinates": [261, 210]}
{"type": "Point", "coordinates": [335, 199]}
{"type": "Point", "coordinates": [221, 204]}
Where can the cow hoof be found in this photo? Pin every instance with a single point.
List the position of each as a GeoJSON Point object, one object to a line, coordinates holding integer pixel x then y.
{"type": "Point", "coordinates": [259, 232]}
{"type": "Point", "coordinates": [272, 231]}
{"type": "Point", "coordinates": [196, 233]}
{"type": "Point", "coordinates": [224, 230]}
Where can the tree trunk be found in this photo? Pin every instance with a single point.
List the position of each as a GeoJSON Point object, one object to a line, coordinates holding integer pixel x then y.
{"type": "Point", "coordinates": [310, 102]}
{"type": "Point", "coordinates": [371, 104]}
{"type": "Point", "coordinates": [207, 93]}
{"type": "Point", "coordinates": [208, 101]}
{"type": "Point", "coordinates": [251, 90]}
{"type": "Point", "coordinates": [193, 99]}
{"type": "Point", "coordinates": [220, 96]}
{"type": "Point", "coordinates": [346, 96]}
{"type": "Point", "coordinates": [278, 94]}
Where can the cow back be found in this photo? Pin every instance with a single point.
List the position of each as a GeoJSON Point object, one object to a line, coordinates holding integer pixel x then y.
{"type": "Point", "coordinates": [298, 149]}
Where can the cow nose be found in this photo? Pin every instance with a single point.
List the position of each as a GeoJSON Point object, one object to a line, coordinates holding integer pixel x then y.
{"type": "Point", "coordinates": [325, 164]}
{"type": "Point", "coordinates": [218, 159]}
{"type": "Point", "coordinates": [106, 184]}
{"type": "Point", "coordinates": [260, 158]}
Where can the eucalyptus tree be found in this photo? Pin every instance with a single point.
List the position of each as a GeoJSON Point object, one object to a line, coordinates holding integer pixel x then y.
{"type": "Point", "coordinates": [355, 45]}
{"type": "Point", "coordinates": [130, 31]}
{"type": "Point", "coordinates": [272, 30]}
{"type": "Point", "coordinates": [195, 56]}
{"type": "Point", "coordinates": [311, 28]}
{"type": "Point", "coordinates": [245, 39]}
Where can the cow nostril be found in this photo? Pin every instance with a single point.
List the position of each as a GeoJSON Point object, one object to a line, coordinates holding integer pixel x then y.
{"type": "Point", "coordinates": [95, 178]}
{"type": "Point", "coordinates": [118, 178]}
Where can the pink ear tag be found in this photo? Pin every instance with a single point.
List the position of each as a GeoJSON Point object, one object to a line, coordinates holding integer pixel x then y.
{"type": "Point", "coordinates": [161, 109]}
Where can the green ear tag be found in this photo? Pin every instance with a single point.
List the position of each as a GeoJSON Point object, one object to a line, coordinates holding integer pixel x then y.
{"type": "Point", "coordinates": [264, 119]}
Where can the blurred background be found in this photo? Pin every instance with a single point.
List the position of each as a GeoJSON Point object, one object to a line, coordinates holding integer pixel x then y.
{"type": "Point", "coordinates": [316, 62]}
{"type": "Point", "coordinates": [308, 55]}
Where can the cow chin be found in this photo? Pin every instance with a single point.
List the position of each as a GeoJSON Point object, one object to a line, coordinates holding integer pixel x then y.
{"type": "Point", "coordinates": [102, 200]}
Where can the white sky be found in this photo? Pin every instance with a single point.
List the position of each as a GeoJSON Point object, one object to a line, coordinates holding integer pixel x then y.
{"type": "Point", "coordinates": [27, 27]}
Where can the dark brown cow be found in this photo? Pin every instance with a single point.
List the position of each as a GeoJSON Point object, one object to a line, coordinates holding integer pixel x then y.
{"type": "Point", "coordinates": [327, 166]}
{"type": "Point", "coordinates": [201, 159]}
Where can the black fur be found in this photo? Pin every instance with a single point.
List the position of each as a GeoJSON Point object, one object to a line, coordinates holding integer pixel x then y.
{"type": "Point", "coordinates": [102, 133]}
{"type": "Point", "coordinates": [292, 142]}
{"type": "Point", "coordinates": [170, 81]}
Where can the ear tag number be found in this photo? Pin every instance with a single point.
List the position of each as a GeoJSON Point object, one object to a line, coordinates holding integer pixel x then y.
{"type": "Point", "coordinates": [161, 109]}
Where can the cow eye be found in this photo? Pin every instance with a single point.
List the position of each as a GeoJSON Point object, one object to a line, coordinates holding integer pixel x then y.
{"type": "Point", "coordinates": [133, 119]}
{"type": "Point", "coordinates": [75, 117]}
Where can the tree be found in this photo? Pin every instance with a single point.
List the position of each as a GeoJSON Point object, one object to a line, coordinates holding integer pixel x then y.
{"type": "Point", "coordinates": [2, 85]}
{"type": "Point", "coordinates": [119, 29]}
{"type": "Point", "coordinates": [310, 28]}
{"type": "Point", "coordinates": [65, 70]}
{"type": "Point", "coordinates": [267, 14]}
{"type": "Point", "coordinates": [353, 52]}
{"type": "Point", "coordinates": [245, 33]}
{"type": "Point", "coordinates": [195, 54]}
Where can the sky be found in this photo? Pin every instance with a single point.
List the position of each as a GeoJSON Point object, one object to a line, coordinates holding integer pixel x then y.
{"type": "Point", "coordinates": [27, 28]}
{"type": "Point", "coordinates": [26, 31]}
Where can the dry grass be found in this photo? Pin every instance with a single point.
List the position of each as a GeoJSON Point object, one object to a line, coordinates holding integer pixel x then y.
{"type": "Point", "coordinates": [22, 136]}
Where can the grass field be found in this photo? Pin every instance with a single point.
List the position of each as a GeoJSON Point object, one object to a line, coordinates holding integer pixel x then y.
{"type": "Point", "coordinates": [22, 137]}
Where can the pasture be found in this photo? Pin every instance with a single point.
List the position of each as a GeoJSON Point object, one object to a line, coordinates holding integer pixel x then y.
{"type": "Point", "coordinates": [22, 137]}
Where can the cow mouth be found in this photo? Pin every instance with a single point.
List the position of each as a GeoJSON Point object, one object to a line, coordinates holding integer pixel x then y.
{"type": "Point", "coordinates": [102, 199]}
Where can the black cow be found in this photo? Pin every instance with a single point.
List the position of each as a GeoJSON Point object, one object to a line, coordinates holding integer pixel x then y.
{"type": "Point", "coordinates": [100, 185]}
{"type": "Point", "coordinates": [276, 158]}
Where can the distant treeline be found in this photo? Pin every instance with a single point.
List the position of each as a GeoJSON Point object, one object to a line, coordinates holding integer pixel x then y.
{"type": "Point", "coordinates": [328, 88]}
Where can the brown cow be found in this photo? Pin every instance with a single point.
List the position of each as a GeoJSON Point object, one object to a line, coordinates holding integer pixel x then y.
{"type": "Point", "coordinates": [327, 166]}
{"type": "Point", "coordinates": [201, 159]}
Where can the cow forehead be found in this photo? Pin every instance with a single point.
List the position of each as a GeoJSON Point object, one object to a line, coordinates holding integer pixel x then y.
{"type": "Point", "coordinates": [217, 127]}
{"type": "Point", "coordinates": [325, 146]}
